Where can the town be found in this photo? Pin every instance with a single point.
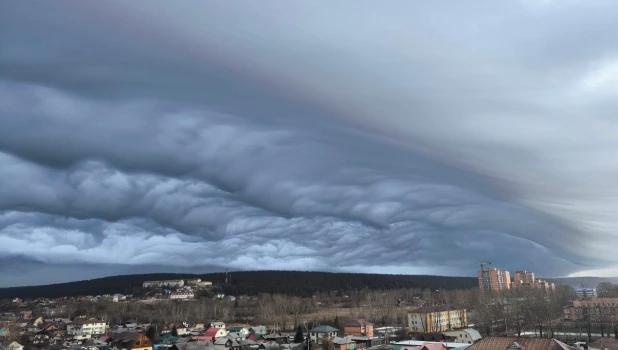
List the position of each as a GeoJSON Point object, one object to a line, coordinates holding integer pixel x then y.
{"type": "Point", "coordinates": [192, 314]}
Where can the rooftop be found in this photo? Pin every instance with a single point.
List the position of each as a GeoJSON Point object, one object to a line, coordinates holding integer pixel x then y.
{"type": "Point", "coordinates": [495, 343]}
{"type": "Point", "coordinates": [324, 329]}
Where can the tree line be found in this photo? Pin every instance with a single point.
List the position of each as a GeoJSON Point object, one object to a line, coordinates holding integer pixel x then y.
{"type": "Point", "coordinates": [294, 283]}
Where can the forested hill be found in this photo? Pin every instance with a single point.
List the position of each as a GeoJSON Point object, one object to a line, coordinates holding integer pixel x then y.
{"type": "Point", "coordinates": [298, 283]}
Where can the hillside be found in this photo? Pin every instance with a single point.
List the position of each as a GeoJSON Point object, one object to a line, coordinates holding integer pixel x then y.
{"type": "Point", "coordinates": [248, 282]}
{"type": "Point", "coordinates": [590, 282]}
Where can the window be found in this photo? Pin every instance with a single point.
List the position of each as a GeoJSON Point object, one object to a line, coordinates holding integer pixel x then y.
{"type": "Point", "coordinates": [137, 342]}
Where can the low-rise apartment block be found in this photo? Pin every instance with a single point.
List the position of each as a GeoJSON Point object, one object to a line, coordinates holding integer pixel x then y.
{"type": "Point", "coordinates": [165, 283]}
{"type": "Point", "coordinates": [430, 319]}
{"type": "Point", "coordinates": [84, 326]}
{"type": "Point", "coordinates": [598, 309]}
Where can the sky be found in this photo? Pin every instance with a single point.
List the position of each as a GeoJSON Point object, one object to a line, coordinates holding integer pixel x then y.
{"type": "Point", "coordinates": [401, 137]}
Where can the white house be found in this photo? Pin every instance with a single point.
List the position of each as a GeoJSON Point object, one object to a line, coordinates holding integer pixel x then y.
{"type": "Point", "coordinates": [217, 325]}
{"type": "Point", "coordinates": [181, 329]}
{"type": "Point", "coordinates": [466, 336]}
{"type": "Point", "coordinates": [317, 333]}
{"type": "Point", "coordinates": [86, 327]}
{"type": "Point", "coordinates": [215, 333]}
{"type": "Point", "coordinates": [182, 295]}
{"type": "Point", "coordinates": [238, 332]}
{"type": "Point", "coordinates": [15, 346]}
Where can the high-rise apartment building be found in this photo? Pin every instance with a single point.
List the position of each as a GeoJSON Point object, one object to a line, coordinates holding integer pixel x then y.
{"type": "Point", "coordinates": [526, 279]}
{"type": "Point", "coordinates": [494, 280]}
{"type": "Point", "coordinates": [523, 277]}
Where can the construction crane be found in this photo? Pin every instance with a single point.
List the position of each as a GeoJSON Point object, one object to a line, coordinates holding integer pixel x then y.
{"type": "Point", "coordinates": [483, 263]}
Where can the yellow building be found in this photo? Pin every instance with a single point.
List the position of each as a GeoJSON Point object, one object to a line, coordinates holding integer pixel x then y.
{"type": "Point", "coordinates": [436, 319]}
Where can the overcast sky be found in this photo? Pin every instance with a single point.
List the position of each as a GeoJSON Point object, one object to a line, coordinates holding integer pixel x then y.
{"type": "Point", "coordinates": [413, 137]}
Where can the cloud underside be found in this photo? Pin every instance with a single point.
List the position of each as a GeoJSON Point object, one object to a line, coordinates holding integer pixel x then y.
{"type": "Point", "coordinates": [343, 144]}
{"type": "Point", "coordinates": [197, 188]}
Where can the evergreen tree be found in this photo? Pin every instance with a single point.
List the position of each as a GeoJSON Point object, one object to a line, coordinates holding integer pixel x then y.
{"type": "Point", "coordinates": [336, 323]}
{"type": "Point", "coordinates": [299, 337]}
{"type": "Point", "coordinates": [151, 333]}
{"type": "Point", "coordinates": [236, 303]}
{"type": "Point", "coordinates": [174, 331]}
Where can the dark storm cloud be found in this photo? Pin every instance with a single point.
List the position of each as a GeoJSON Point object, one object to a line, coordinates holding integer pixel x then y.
{"type": "Point", "coordinates": [293, 142]}
{"type": "Point", "coordinates": [283, 197]}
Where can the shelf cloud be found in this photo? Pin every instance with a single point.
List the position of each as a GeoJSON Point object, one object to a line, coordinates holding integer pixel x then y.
{"type": "Point", "coordinates": [395, 138]}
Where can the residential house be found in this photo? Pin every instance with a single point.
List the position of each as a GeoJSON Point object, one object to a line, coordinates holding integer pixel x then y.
{"type": "Point", "coordinates": [277, 346]}
{"type": "Point", "coordinates": [434, 337]}
{"type": "Point", "coordinates": [344, 343]}
{"type": "Point", "coordinates": [216, 325]}
{"type": "Point", "coordinates": [511, 343]}
{"type": "Point", "coordinates": [255, 337]}
{"type": "Point", "coordinates": [15, 346]}
{"type": "Point", "coordinates": [227, 344]}
{"type": "Point", "coordinates": [436, 319]}
{"type": "Point", "coordinates": [365, 342]}
{"type": "Point", "coordinates": [39, 321]}
{"type": "Point", "coordinates": [31, 328]}
{"type": "Point", "coordinates": [238, 332]}
{"type": "Point", "coordinates": [199, 327]}
{"type": "Point", "coordinates": [429, 346]}
{"type": "Point", "coordinates": [465, 336]}
{"type": "Point", "coordinates": [40, 339]}
{"type": "Point", "coordinates": [131, 341]}
{"type": "Point", "coordinates": [180, 328]}
{"type": "Point", "coordinates": [194, 345]}
{"type": "Point", "coordinates": [248, 343]}
{"type": "Point", "coordinates": [25, 315]}
{"type": "Point", "coordinates": [84, 326]}
{"type": "Point", "coordinates": [49, 327]}
{"type": "Point", "coordinates": [359, 328]}
{"type": "Point", "coordinates": [215, 333]}
{"type": "Point", "coordinates": [277, 338]}
{"type": "Point", "coordinates": [259, 330]}
{"type": "Point", "coordinates": [198, 283]}
{"type": "Point", "coordinates": [185, 294]}
{"type": "Point", "coordinates": [318, 333]}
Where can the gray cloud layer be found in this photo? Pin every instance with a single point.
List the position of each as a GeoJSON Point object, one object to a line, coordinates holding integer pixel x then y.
{"type": "Point", "coordinates": [399, 139]}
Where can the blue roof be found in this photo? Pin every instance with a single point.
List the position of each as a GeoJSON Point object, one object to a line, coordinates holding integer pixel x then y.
{"type": "Point", "coordinates": [324, 329]}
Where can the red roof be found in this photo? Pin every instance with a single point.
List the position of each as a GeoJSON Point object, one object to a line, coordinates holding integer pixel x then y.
{"type": "Point", "coordinates": [211, 332]}
{"type": "Point", "coordinates": [201, 337]}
